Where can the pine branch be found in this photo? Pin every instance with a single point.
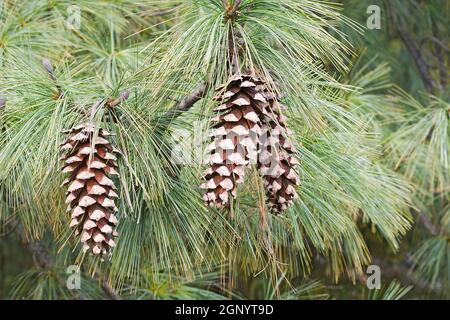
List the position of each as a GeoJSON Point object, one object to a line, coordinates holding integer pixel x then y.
{"type": "Point", "coordinates": [44, 260]}
{"type": "Point", "coordinates": [443, 76]}
{"type": "Point", "coordinates": [110, 292]}
{"type": "Point", "coordinates": [49, 68]}
{"type": "Point", "coordinates": [416, 53]}
{"type": "Point", "coordinates": [428, 224]}
{"type": "Point", "coordinates": [420, 62]}
{"type": "Point", "coordinates": [402, 272]}
{"type": "Point", "coordinates": [187, 102]}
{"type": "Point", "coordinates": [2, 102]}
{"type": "Point", "coordinates": [109, 103]}
{"type": "Point", "coordinates": [157, 13]}
{"type": "Point", "coordinates": [114, 102]}
{"type": "Point", "coordinates": [236, 6]}
{"type": "Point", "coordinates": [41, 255]}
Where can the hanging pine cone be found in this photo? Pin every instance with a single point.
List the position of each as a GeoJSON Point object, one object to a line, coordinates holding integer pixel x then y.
{"type": "Point", "coordinates": [234, 137]}
{"type": "Point", "coordinates": [90, 158]}
{"type": "Point", "coordinates": [276, 161]}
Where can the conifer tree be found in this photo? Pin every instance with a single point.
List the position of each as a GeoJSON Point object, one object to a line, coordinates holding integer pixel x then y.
{"type": "Point", "coordinates": [321, 150]}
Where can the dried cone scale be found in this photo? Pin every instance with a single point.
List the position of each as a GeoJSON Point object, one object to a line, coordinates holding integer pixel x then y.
{"type": "Point", "coordinates": [277, 162]}
{"type": "Point", "coordinates": [90, 160]}
{"type": "Point", "coordinates": [234, 138]}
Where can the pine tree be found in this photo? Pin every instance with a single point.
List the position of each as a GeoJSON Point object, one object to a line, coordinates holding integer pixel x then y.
{"type": "Point", "coordinates": [299, 104]}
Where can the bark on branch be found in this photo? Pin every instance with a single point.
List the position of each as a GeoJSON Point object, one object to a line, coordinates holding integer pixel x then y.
{"type": "Point", "coordinates": [109, 291]}
{"type": "Point", "coordinates": [2, 102]}
{"type": "Point", "coordinates": [428, 224]}
{"type": "Point", "coordinates": [420, 62]}
{"type": "Point", "coordinates": [443, 76]}
{"type": "Point", "coordinates": [187, 102]}
{"type": "Point", "coordinates": [41, 255]}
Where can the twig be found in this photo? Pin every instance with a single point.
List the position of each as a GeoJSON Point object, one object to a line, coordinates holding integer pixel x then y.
{"type": "Point", "coordinates": [107, 102]}
{"type": "Point", "coordinates": [60, 92]}
{"type": "Point", "coordinates": [41, 255]}
{"type": "Point", "coordinates": [107, 289]}
{"type": "Point", "coordinates": [428, 224]}
{"type": "Point", "coordinates": [123, 96]}
{"type": "Point", "coordinates": [44, 260]}
{"type": "Point", "coordinates": [49, 68]}
{"type": "Point", "coordinates": [187, 102]}
{"type": "Point", "coordinates": [236, 6]}
{"type": "Point", "coordinates": [2, 101]}
{"type": "Point", "coordinates": [402, 272]}
{"type": "Point", "coordinates": [232, 51]}
{"type": "Point", "coordinates": [95, 108]}
{"type": "Point", "coordinates": [4, 225]}
{"type": "Point", "coordinates": [110, 103]}
{"type": "Point", "coordinates": [440, 44]}
{"type": "Point", "coordinates": [420, 62]}
{"type": "Point", "coordinates": [110, 292]}
{"type": "Point", "coordinates": [157, 13]}
{"type": "Point", "coordinates": [418, 59]}
{"type": "Point", "coordinates": [440, 58]}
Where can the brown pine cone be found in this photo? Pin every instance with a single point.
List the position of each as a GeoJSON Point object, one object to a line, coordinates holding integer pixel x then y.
{"type": "Point", "coordinates": [89, 159]}
{"type": "Point", "coordinates": [277, 162]}
{"type": "Point", "coordinates": [234, 137]}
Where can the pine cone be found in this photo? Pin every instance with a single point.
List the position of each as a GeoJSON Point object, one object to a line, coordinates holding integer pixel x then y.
{"type": "Point", "coordinates": [234, 137]}
{"type": "Point", "coordinates": [90, 159]}
{"type": "Point", "coordinates": [276, 161]}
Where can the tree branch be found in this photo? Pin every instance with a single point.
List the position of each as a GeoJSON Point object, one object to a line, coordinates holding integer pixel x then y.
{"type": "Point", "coordinates": [440, 58]}
{"type": "Point", "coordinates": [49, 68]}
{"type": "Point", "coordinates": [114, 102]}
{"type": "Point", "coordinates": [157, 13]}
{"type": "Point", "coordinates": [401, 272]}
{"type": "Point", "coordinates": [2, 101]}
{"type": "Point", "coordinates": [110, 103]}
{"type": "Point", "coordinates": [187, 102]}
{"type": "Point", "coordinates": [236, 5]}
{"type": "Point", "coordinates": [41, 255]}
{"type": "Point", "coordinates": [418, 59]}
{"type": "Point", "coordinates": [45, 261]}
{"type": "Point", "coordinates": [110, 292]}
{"type": "Point", "coordinates": [428, 224]}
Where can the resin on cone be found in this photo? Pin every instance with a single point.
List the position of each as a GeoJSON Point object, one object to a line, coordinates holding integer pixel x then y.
{"type": "Point", "coordinates": [90, 161]}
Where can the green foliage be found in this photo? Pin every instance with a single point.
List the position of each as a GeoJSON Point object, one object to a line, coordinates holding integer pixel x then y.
{"type": "Point", "coordinates": [371, 153]}
{"type": "Point", "coordinates": [205, 286]}
{"type": "Point", "coordinates": [431, 262]}
{"type": "Point", "coordinates": [309, 290]}
{"type": "Point", "coordinates": [394, 291]}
